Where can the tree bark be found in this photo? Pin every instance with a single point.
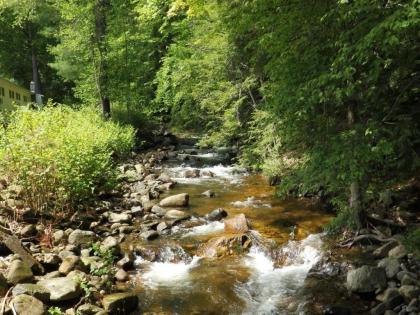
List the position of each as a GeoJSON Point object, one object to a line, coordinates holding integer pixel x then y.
{"type": "Point", "coordinates": [35, 69]}
{"type": "Point", "coordinates": [101, 9]}
{"type": "Point", "coordinates": [355, 201]}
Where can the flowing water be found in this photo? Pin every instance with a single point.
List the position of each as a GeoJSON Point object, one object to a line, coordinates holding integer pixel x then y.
{"type": "Point", "coordinates": [180, 282]}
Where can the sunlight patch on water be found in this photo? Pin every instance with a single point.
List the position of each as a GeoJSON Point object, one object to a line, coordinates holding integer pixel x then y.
{"type": "Point", "coordinates": [269, 286]}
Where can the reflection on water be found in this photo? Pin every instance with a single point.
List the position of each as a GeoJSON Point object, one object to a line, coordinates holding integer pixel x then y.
{"type": "Point", "coordinates": [250, 284]}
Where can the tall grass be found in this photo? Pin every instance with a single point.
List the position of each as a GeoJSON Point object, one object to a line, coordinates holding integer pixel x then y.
{"type": "Point", "coordinates": [61, 156]}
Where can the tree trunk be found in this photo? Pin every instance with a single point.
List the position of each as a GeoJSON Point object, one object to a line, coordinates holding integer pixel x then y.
{"type": "Point", "coordinates": [35, 69]}
{"type": "Point", "coordinates": [101, 8]}
{"type": "Point", "coordinates": [355, 201]}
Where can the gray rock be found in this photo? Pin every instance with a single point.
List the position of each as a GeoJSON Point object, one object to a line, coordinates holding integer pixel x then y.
{"type": "Point", "coordinates": [119, 217]}
{"type": "Point", "coordinates": [216, 215]}
{"type": "Point", "coordinates": [180, 200]}
{"type": "Point", "coordinates": [162, 226]}
{"type": "Point", "coordinates": [158, 210]}
{"type": "Point", "coordinates": [37, 291]}
{"type": "Point", "coordinates": [49, 259]}
{"type": "Point", "coordinates": [390, 265]}
{"type": "Point", "coordinates": [61, 289]}
{"type": "Point", "coordinates": [194, 173]}
{"type": "Point", "coordinates": [89, 309]}
{"type": "Point", "coordinates": [65, 253]}
{"type": "Point", "coordinates": [109, 243]}
{"type": "Point", "coordinates": [366, 279]}
{"type": "Point", "coordinates": [398, 252]}
{"type": "Point", "coordinates": [409, 292]}
{"type": "Point", "coordinates": [52, 274]}
{"type": "Point", "coordinates": [19, 272]}
{"type": "Point", "coordinates": [68, 264]}
{"type": "Point", "coordinates": [126, 262]}
{"type": "Point", "coordinates": [388, 294]}
{"type": "Point", "coordinates": [149, 235]}
{"type": "Point", "coordinates": [120, 303]}
{"type": "Point", "coordinates": [136, 210]}
{"type": "Point", "coordinates": [384, 249]}
{"type": "Point", "coordinates": [209, 194]}
{"type": "Point", "coordinates": [121, 275]}
{"type": "Point", "coordinates": [28, 230]}
{"type": "Point", "coordinates": [58, 236]}
{"type": "Point", "coordinates": [408, 280]}
{"type": "Point", "coordinates": [81, 237]}
{"type": "Point", "coordinates": [379, 309]}
{"type": "Point", "coordinates": [176, 215]}
{"type": "Point", "coordinates": [28, 305]}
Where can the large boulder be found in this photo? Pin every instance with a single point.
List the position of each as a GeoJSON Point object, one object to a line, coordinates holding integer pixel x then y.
{"type": "Point", "coordinates": [81, 237]}
{"type": "Point", "coordinates": [61, 289]}
{"type": "Point", "coordinates": [225, 245]}
{"type": "Point", "coordinates": [120, 303]}
{"type": "Point", "coordinates": [366, 279]}
{"type": "Point", "coordinates": [27, 305]}
{"type": "Point", "coordinates": [237, 225]}
{"type": "Point", "coordinates": [180, 200]}
{"type": "Point", "coordinates": [19, 272]}
{"type": "Point", "coordinates": [37, 291]}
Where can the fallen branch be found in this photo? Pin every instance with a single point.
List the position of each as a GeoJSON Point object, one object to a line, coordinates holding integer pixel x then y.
{"type": "Point", "coordinates": [365, 237]}
{"type": "Point", "coordinates": [14, 244]}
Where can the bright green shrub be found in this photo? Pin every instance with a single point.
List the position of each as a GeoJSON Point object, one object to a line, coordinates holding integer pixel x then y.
{"type": "Point", "coordinates": [61, 156]}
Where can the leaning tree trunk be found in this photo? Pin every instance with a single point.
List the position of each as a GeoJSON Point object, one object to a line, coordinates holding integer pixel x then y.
{"type": "Point", "coordinates": [101, 8]}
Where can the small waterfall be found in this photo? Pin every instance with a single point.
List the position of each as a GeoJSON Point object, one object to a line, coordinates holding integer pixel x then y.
{"type": "Point", "coordinates": [269, 288]}
{"type": "Point", "coordinates": [205, 229]}
{"type": "Point", "coordinates": [171, 267]}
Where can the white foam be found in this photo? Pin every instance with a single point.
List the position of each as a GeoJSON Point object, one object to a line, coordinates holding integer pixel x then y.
{"type": "Point", "coordinates": [220, 172]}
{"type": "Point", "coordinates": [250, 202]}
{"type": "Point", "coordinates": [209, 228]}
{"type": "Point", "coordinates": [169, 274]}
{"type": "Point", "coordinates": [268, 285]}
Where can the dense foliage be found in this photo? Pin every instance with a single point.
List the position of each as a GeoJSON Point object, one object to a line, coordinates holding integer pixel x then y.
{"type": "Point", "coordinates": [61, 156]}
{"type": "Point", "coordinates": [322, 94]}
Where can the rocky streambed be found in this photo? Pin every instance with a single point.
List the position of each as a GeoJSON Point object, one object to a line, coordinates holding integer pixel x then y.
{"type": "Point", "coordinates": [187, 233]}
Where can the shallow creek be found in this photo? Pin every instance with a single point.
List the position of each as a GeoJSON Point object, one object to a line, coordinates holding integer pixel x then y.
{"type": "Point", "coordinates": [253, 283]}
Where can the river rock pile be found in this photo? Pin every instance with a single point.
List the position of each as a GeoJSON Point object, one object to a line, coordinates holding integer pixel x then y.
{"type": "Point", "coordinates": [86, 265]}
{"type": "Point", "coordinates": [394, 281]}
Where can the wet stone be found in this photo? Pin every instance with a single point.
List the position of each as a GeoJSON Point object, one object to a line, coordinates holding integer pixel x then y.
{"type": "Point", "coordinates": [149, 235]}
{"type": "Point", "coordinates": [120, 303]}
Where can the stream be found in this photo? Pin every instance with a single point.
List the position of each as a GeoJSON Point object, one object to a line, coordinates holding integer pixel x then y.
{"type": "Point", "coordinates": [255, 282]}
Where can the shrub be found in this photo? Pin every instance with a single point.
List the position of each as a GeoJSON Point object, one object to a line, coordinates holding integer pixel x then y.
{"type": "Point", "coordinates": [61, 156]}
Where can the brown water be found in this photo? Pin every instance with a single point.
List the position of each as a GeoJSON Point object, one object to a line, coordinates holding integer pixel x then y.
{"type": "Point", "coordinates": [232, 285]}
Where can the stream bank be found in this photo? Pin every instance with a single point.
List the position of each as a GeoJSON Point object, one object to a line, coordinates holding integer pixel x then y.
{"type": "Point", "coordinates": [185, 255]}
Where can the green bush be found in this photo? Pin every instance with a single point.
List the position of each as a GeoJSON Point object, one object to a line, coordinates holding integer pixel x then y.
{"type": "Point", "coordinates": [61, 156]}
{"type": "Point", "coordinates": [412, 241]}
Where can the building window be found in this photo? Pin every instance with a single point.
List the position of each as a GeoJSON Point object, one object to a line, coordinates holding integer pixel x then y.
{"type": "Point", "coordinates": [25, 98]}
{"type": "Point", "coordinates": [1, 91]}
{"type": "Point", "coordinates": [11, 94]}
{"type": "Point", "coordinates": [1, 101]}
{"type": "Point", "coordinates": [17, 96]}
